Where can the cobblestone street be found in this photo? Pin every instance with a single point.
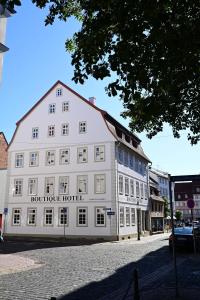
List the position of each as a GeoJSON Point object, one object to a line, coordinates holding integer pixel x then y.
{"type": "Point", "coordinates": [93, 271]}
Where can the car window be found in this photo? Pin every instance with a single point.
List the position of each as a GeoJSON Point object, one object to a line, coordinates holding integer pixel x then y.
{"type": "Point", "coordinates": [183, 230]}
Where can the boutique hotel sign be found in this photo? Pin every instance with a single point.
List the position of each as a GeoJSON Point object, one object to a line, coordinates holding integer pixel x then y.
{"type": "Point", "coordinates": [50, 199]}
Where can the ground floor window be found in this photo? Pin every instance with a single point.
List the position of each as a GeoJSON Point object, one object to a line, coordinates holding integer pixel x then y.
{"type": "Point", "coordinates": [121, 213]}
{"type": "Point", "coordinates": [132, 216]}
{"type": "Point", "coordinates": [82, 216]}
{"type": "Point", "coordinates": [100, 215]}
{"type": "Point", "coordinates": [31, 216]}
{"type": "Point", "coordinates": [16, 219]}
{"type": "Point", "coordinates": [48, 216]}
{"type": "Point", "coordinates": [63, 216]}
{"type": "Point", "coordinates": [127, 216]}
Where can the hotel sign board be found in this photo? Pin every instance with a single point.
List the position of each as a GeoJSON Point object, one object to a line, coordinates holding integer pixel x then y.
{"type": "Point", "coordinates": [56, 199]}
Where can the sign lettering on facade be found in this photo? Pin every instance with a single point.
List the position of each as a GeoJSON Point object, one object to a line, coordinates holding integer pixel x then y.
{"type": "Point", "coordinates": [50, 199]}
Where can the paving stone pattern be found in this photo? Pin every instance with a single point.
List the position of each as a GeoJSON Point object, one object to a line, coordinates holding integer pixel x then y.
{"type": "Point", "coordinates": [84, 272]}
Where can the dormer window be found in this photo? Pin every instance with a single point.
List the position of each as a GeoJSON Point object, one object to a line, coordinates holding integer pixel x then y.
{"type": "Point", "coordinates": [58, 92]}
{"type": "Point", "coordinates": [52, 108]}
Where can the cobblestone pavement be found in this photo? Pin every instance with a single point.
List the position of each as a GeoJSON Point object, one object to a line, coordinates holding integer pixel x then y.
{"type": "Point", "coordinates": [87, 272]}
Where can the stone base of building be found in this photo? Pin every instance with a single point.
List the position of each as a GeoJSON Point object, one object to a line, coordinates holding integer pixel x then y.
{"type": "Point", "coordinates": [134, 235]}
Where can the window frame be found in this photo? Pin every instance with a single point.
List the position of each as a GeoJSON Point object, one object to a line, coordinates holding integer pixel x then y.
{"type": "Point", "coordinates": [36, 186]}
{"type": "Point", "coordinates": [35, 133]}
{"type": "Point", "coordinates": [37, 159]}
{"type": "Point", "coordinates": [65, 131]}
{"type": "Point", "coordinates": [81, 126]}
{"type": "Point", "coordinates": [52, 108]}
{"type": "Point", "coordinates": [60, 156]}
{"type": "Point", "coordinates": [17, 165]}
{"type": "Point", "coordinates": [14, 213]}
{"type": "Point", "coordinates": [45, 187]}
{"type": "Point", "coordinates": [15, 180]}
{"type": "Point", "coordinates": [86, 216]}
{"type": "Point", "coordinates": [80, 153]}
{"type": "Point", "coordinates": [101, 213]}
{"type": "Point", "coordinates": [29, 213]}
{"type": "Point", "coordinates": [121, 216]}
{"type": "Point", "coordinates": [59, 182]}
{"type": "Point", "coordinates": [65, 105]}
{"type": "Point", "coordinates": [51, 131]}
{"type": "Point", "coordinates": [59, 92]}
{"type": "Point", "coordinates": [126, 186]}
{"type": "Point", "coordinates": [121, 184]}
{"type": "Point", "coordinates": [52, 163]}
{"type": "Point", "coordinates": [100, 152]}
{"type": "Point", "coordinates": [78, 178]}
{"type": "Point", "coordinates": [128, 219]}
{"type": "Point", "coordinates": [103, 190]}
{"type": "Point", "coordinates": [60, 213]}
{"type": "Point", "coordinates": [45, 215]}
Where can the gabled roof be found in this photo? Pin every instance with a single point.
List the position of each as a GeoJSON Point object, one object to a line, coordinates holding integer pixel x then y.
{"type": "Point", "coordinates": [107, 118]}
{"type": "Point", "coordinates": [1, 133]}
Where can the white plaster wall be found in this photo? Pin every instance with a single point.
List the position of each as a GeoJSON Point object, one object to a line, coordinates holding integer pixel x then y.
{"type": "Point", "coordinates": [3, 177]}
{"type": "Point", "coordinates": [97, 134]}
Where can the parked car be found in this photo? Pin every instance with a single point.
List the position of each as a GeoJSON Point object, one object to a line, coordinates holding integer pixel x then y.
{"type": "Point", "coordinates": [183, 238]}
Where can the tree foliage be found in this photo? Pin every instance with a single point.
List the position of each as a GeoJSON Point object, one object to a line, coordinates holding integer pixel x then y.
{"type": "Point", "coordinates": [178, 215]}
{"type": "Point", "coordinates": [153, 49]}
{"type": "Point", "coordinates": [166, 207]}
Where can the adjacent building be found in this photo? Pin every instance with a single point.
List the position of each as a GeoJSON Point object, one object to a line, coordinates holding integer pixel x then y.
{"type": "Point", "coordinates": [184, 191]}
{"type": "Point", "coordinates": [4, 14]}
{"type": "Point", "coordinates": [163, 182]}
{"type": "Point", "coordinates": [156, 204]}
{"type": "Point", "coordinates": [74, 171]}
{"type": "Point", "coordinates": [3, 176]}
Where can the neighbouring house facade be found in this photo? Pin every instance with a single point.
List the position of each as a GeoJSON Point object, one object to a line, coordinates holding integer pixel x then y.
{"type": "Point", "coordinates": [184, 191]}
{"type": "Point", "coordinates": [3, 176]}
{"type": "Point", "coordinates": [163, 182]}
{"type": "Point", "coordinates": [156, 204]}
{"type": "Point", "coordinates": [74, 171]}
{"type": "Point", "coordinates": [4, 14]}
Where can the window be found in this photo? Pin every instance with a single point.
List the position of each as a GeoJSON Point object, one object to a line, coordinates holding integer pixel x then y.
{"type": "Point", "coordinates": [121, 215]}
{"type": "Point", "coordinates": [82, 184]}
{"type": "Point", "coordinates": [64, 185]}
{"type": "Point", "coordinates": [127, 216]}
{"type": "Point", "coordinates": [51, 130]}
{"type": "Point", "coordinates": [19, 160]}
{"type": "Point", "coordinates": [32, 186]}
{"type": "Point", "coordinates": [52, 108]}
{"type": "Point", "coordinates": [63, 216]}
{"type": "Point", "coordinates": [132, 187]}
{"type": "Point", "coordinates": [49, 186]}
{"type": "Point", "coordinates": [141, 190]}
{"type": "Point", "coordinates": [131, 161]}
{"type": "Point", "coordinates": [50, 158]}
{"type": "Point", "coordinates": [99, 153]}
{"type": "Point", "coordinates": [65, 106]}
{"type": "Point", "coordinates": [16, 220]}
{"type": "Point", "coordinates": [100, 216]}
{"type": "Point", "coordinates": [100, 184]}
{"type": "Point", "coordinates": [34, 159]}
{"type": "Point", "coordinates": [48, 216]}
{"type": "Point", "coordinates": [198, 189]}
{"type": "Point", "coordinates": [64, 156]}
{"type": "Point", "coordinates": [179, 196]}
{"type": "Point", "coordinates": [31, 216]}
{"type": "Point", "coordinates": [186, 196]}
{"type": "Point", "coordinates": [125, 158]}
{"type": "Point", "coordinates": [81, 216]}
{"type": "Point", "coordinates": [137, 189]}
{"type": "Point", "coordinates": [120, 156]}
{"type": "Point", "coordinates": [146, 191]}
{"type": "Point", "coordinates": [65, 129]}
{"type": "Point", "coordinates": [82, 127]}
{"type": "Point", "coordinates": [82, 155]}
{"type": "Point", "coordinates": [121, 184]}
{"type": "Point", "coordinates": [58, 92]}
{"type": "Point", "coordinates": [126, 186]}
{"type": "Point", "coordinates": [136, 165]}
{"type": "Point", "coordinates": [35, 133]}
{"type": "Point", "coordinates": [132, 216]}
{"type": "Point", "coordinates": [18, 184]}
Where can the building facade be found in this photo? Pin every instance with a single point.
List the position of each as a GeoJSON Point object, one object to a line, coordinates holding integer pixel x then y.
{"type": "Point", "coordinates": [184, 191]}
{"type": "Point", "coordinates": [74, 171]}
{"type": "Point", "coordinates": [4, 14]}
{"type": "Point", "coordinates": [163, 182]}
{"type": "Point", "coordinates": [156, 205]}
{"type": "Point", "coordinates": [3, 176]}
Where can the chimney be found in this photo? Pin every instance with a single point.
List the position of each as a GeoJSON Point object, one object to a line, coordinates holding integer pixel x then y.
{"type": "Point", "coordinates": [92, 100]}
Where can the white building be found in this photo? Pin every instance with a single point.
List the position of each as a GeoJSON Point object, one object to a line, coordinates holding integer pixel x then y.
{"type": "Point", "coordinates": [163, 180]}
{"type": "Point", "coordinates": [70, 165]}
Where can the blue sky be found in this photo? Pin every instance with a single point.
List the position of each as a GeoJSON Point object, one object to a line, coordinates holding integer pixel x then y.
{"type": "Point", "coordinates": [37, 59]}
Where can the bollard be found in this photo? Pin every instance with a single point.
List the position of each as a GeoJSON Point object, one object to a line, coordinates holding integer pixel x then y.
{"type": "Point", "coordinates": [136, 286]}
